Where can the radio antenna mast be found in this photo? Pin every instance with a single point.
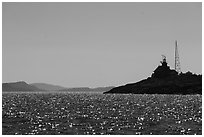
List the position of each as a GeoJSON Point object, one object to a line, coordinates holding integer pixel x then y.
{"type": "Point", "coordinates": [177, 62]}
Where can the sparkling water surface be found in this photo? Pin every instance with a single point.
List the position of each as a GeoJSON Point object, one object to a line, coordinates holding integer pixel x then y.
{"type": "Point", "coordinates": [95, 113]}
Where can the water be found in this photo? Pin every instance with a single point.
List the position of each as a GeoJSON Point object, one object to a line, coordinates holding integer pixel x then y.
{"type": "Point", "coordinates": [89, 113]}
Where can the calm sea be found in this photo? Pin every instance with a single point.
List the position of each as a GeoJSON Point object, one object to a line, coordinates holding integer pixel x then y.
{"type": "Point", "coordinates": [95, 113]}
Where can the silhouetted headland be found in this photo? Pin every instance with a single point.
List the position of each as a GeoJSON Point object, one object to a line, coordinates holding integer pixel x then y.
{"type": "Point", "coordinates": [164, 81]}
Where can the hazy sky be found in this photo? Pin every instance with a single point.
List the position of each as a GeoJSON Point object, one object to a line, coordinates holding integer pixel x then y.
{"type": "Point", "coordinates": [97, 44]}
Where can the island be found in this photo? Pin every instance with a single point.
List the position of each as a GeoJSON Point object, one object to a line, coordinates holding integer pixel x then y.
{"type": "Point", "coordinates": [163, 81]}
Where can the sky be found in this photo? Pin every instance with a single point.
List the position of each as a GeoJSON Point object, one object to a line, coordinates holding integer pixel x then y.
{"type": "Point", "coordinates": [97, 44]}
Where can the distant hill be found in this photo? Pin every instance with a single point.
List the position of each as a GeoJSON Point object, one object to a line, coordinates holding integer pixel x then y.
{"type": "Point", "coordinates": [102, 88]}
{"type": "Point", "coordinates": [48, 87]}
{"type": "Point", "coordinates": [18, 86]}
{"type": "Point", "coordinates": [23, 86]}
{"type": "Point", "coordinates": [82, 89]}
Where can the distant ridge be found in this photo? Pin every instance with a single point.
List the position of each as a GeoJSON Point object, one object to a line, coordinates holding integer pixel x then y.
{"type": "Point", "coordinates": [23, 86]}
{"type": "Point", "coordinates": [18, 86]}
{"type": "Point", "coordinates": [48, 87]}
{"type": "Point", "coordinates": [82, 89]}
